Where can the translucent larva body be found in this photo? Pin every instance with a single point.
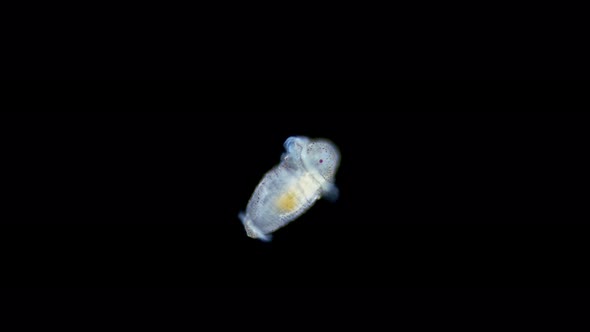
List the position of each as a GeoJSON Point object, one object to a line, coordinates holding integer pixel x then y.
{"type": "Point", "coordinates": [305, 174]}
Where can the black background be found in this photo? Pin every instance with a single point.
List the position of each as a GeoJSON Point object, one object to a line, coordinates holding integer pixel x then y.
{"type": "Point", "coordinates": [400, 40]}
{"type": "Point", "coordinates": [137, 188]}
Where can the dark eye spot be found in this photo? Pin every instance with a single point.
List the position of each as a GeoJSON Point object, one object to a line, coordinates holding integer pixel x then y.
{"type": "Point", "coordinates": [321, 161]}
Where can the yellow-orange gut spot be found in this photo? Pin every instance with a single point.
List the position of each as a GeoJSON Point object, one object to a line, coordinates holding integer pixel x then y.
{"type": "Point", "coordinates": [287, 201]}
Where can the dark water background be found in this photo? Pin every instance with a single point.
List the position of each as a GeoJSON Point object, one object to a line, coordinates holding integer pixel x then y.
{"type": "Point", "coordinates": [131, 194]}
